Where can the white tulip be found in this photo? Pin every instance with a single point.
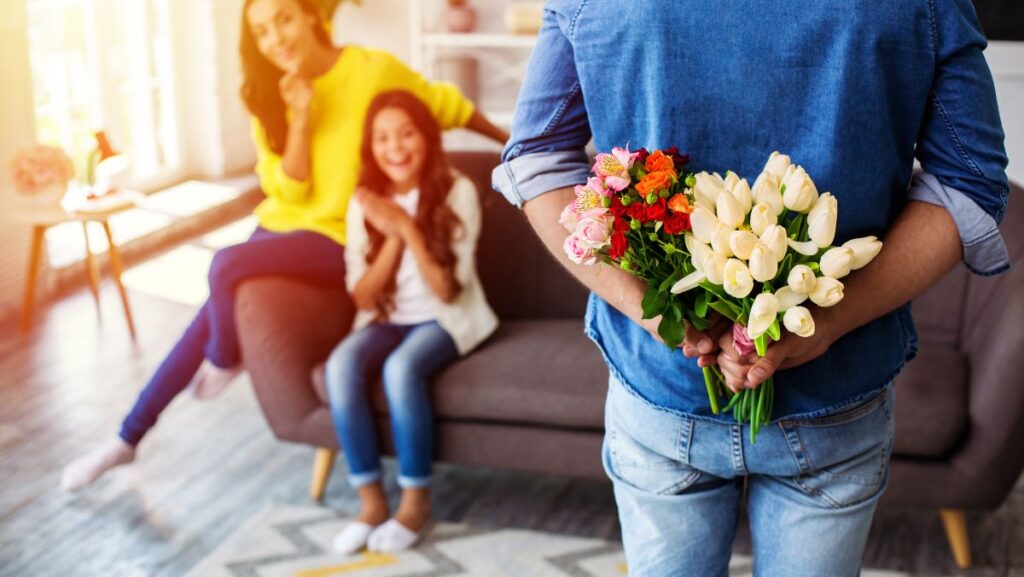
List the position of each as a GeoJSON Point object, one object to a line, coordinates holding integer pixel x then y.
{"type": "Point", "coordinates": [763, 265]}
{"type": "Point", "coordinates": [731, 178]}
{"type": "Point", "coordinates": [729, 210]}
{"type": "Point", "coordinates": [741, 192]}
{"type": "Point", "coordinates": [807, 248]}
{"type": "Point", "coordinates": [699, 252]}
{"type": "Point", "coordinates": [789, 298]}
{"type": "Point", "coordinates": [742, 242]}
{"type": "Point", "coordinates": [720, 240]}
{"type": "Point", "coordinates": [801, 279]}
{"type": "Point", "coordinates": [837, 262]}
{"type": "Point", "coordinates": [704, 224]}
{"type": "Point", "coordinates": [774, 237]}
{"type": "Point", "coordinates": [762, 314]}
{"type": "Point", "coordinates": [766, 190]}
{"type": "Point", "coordinates": [688, 282]}
{"type": "Point", "coordinates": [864, 250]}
{"type": "Point", "coordinates": [761, 217]}
{"type": "Point", "coordinates": [821, 221]}
{"type": "Point", "coordinates": [706, 189]}
{"type": "Point", "coordinates": [714, 267]}
{"type": "Point", "coordinates": [800, 194]}
{"type": "Point", "coordinates": [827, 292]}
{"type": "Point", "coordinates": [737, 281]}
{"type": "Point", "coordinates": [777, 164]}
{"type": "Point", "coordinates": [798, 320]}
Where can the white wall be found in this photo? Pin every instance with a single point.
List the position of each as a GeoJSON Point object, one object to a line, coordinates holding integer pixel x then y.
{"type": "Point", "coordinates": [17, 129]}
{"type": "Point", "coordinates": [1007, 62]}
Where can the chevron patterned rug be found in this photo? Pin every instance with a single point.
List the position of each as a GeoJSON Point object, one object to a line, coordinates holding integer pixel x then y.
{"type": "Point", "coordinates": [290, 541]}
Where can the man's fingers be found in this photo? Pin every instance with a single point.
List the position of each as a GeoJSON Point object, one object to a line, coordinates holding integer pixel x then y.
{"type": "Point", "coordinates": [766, 366]}
{"type": "Point", "coordinates": [697, 340]}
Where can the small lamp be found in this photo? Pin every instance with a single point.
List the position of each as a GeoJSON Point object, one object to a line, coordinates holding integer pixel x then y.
{"type": "Point", "coordinates": [104, 164]}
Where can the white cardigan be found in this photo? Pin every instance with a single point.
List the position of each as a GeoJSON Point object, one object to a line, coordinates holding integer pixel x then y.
{"type": "Point", "coordinates": [468, 319]}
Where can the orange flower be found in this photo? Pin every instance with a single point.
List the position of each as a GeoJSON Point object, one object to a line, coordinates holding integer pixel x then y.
{"type": "Point", "coordinates": [654, 182]}
{"type": "Point", "coordinates": [679, 203]}
{"type": "Point", "coordinates": [658, 162]}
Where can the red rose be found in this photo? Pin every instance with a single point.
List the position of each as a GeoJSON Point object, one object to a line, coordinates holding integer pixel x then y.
{"type": "Point", "coordinates": [679, 160]}
{"type": "Point", "coordinates": [658, 210]}
{"type": "Point", "coordinates": [641, 155]}
{"type": "Point", "coordinates": [620, 224]}
{"type": "Point", "coordinates": [678, 223]}
{"type": "Point", "coordinates": [617, 208]}
{"type": "Point", "coordinates": [635, 210]}
{"type": "Point", "coordinates": [619, 245]}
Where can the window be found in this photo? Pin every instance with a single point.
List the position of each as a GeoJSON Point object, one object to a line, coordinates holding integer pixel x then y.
{"type": "Point", "coordinates": [107, 65]}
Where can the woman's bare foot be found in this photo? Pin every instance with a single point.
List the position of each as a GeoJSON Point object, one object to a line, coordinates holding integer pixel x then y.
{"type": "Point", "coordinates": [84, 470]}
{"type": "Point", "coordinates": [212, 380]}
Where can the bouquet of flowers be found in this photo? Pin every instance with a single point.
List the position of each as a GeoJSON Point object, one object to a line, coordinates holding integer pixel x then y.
{"type": "Point", "coordinates": [705, 244]}
{"type": "Point", "coordinates": [41, 168]}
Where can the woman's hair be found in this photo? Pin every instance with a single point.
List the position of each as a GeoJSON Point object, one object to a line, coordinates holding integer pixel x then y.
{"type": "Point", "coordinates": [435, 219]}
{"type": "Point", "coordinates": [260, 78]}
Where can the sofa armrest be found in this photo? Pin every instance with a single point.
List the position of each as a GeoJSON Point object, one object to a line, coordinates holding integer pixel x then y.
{"type": "Point", "coordinates": [993, 338]}
{"type": "Point", "coordinates": [286, 327]}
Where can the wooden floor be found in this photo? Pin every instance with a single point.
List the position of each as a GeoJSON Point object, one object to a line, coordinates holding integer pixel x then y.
{"type": "Point", "coordinates": [209, 466]}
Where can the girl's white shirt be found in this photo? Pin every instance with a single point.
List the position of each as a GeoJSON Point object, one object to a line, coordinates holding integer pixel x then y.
{"type": "Point", "coordinates": [468, 319]}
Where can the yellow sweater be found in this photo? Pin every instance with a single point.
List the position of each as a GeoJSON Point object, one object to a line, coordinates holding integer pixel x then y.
{"type": "Point", "coordinates": [341, 97]}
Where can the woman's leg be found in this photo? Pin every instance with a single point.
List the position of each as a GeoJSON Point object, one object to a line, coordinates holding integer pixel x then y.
{"type": "Point", "coordinates": [301, 255]}
{"type": "Point", "coordinates": [170, 378]}
{"type": "Point", "coordinates": [425, 350]}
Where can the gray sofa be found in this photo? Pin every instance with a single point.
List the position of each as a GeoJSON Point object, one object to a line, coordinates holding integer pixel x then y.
{"type": "Point", "coordinates": [532, 397]}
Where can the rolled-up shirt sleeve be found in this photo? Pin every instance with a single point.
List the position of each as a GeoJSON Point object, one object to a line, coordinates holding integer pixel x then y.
{"type": "Point", "coordinates": [550, 130]}
{"type": "Point", "coordinates": [960, 146]}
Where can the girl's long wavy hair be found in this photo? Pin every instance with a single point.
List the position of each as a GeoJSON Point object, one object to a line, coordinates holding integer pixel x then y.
{"type": "Point", "coordinates": [437, 221]}
{"type": "Point", "coordinates": [260, 77]}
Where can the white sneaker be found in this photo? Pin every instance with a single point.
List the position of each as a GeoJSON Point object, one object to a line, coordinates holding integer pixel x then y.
{"type": "Point", "coordinates": [392, 537]}
{"type": "Point", "coordinates": [352, 538]}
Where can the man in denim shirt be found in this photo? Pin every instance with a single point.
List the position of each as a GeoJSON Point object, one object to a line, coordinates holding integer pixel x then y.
{"type": "Point", "coordinates": [854, 92]}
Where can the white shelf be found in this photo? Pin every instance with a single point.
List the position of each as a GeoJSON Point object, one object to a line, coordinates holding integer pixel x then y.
{"type": "Point", "coordinates": [477, 40]}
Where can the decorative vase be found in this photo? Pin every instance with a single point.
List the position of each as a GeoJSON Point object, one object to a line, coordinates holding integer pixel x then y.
{"type": "Point", "coordinates": [42, 204]}
{"type": "Point", "coordinates": [460, 18]}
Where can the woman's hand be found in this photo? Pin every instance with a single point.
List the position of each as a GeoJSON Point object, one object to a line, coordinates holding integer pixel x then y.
{"type": "Point", "coordinates": [297, 93]}
{"type": "Point", "coordinates": [383, 213]}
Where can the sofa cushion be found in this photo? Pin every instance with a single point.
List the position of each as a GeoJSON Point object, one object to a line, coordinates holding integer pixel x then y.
{"type": "Point", "coordinates": [544, 372]}
{"type": "Point", "coordinates": [931, 403]}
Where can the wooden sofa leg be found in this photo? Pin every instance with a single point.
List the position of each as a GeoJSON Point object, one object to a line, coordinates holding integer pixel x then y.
{"type": "Point", "coordinates": [322, 465]}
{"type": "Point", "coordinates": [955, 523]}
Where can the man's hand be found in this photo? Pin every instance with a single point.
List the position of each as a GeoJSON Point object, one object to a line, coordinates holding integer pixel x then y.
{"type": "Point", "coordinates": [750, 371]}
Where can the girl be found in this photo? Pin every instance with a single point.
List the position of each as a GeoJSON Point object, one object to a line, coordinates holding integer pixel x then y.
{"type": "Point", "coordinates": [412, 236]}
{"type": "Point", "coordinates": [308, 100]}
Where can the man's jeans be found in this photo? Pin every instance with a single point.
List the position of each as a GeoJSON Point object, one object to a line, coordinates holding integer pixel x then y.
{"type": "Point", "coordinates": [812, 487]}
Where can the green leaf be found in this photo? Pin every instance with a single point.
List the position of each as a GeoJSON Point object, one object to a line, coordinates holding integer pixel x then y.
{"type": "Point", "coordinates": [761, 344]}
{"type": "Point", "coordinates": [654, 302]}
{"type": "Point", "coordinates": [701, 306]}
{"type": "Point", "coordinates": [700, 323]}
{"type": "Point", "coordinates": [671, 331]}
{"type": "Point", "coordinates": [774, 331]}
{"type": "Point", "coordinates": [725, 309]}
{"type": "Point", "coordinates": [794, 226]}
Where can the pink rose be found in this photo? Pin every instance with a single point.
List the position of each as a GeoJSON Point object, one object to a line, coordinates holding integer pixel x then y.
{"type": "Point", "coordinates": [569, 218]}
{"type": "Point", "coordinates": [741, 340]}
{"type": "Point", "coordinates": [577, 251]}
{"type": "Point", "coordinates": [594, 231]}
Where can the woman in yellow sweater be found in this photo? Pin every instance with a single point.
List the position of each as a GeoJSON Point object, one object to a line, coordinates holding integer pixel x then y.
{"type": "Point", "coordinates": [308, 100]}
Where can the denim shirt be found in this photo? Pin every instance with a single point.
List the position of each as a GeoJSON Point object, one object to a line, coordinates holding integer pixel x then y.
{"type": "Point", "coordinates": [853, 91]}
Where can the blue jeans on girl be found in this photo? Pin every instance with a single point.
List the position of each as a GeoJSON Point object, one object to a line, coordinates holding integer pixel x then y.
{"type": "Point", "coordinates": [405, 357]}
{"type": "Point", "coordinates": [302, 255]}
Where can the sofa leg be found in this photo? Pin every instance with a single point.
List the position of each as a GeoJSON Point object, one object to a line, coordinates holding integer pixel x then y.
{"type": "Point", "coordinates": [955, 523]}
{"type": "Point", "coordinates": [322, 465]}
